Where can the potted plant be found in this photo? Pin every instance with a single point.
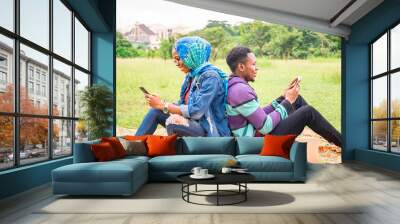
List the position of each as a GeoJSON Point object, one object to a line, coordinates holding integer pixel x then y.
{"type": "Point", "coordinates": [97, 104]}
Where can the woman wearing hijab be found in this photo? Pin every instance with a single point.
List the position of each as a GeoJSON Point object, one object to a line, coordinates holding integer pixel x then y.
{"type": "Point", "coordinates": [201, 107]}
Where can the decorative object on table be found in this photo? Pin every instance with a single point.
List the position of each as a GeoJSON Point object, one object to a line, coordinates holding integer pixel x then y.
{"type": "Point", "coordinates": [200, 173]}
{"type": "Point", "coordinates": [236, 196]}
{"type": "Point", "coordinates": [237, 170]}
{"type": "Point", "coordinates": [231, 163]}
{"type": "Point", "coordinates": [97, 104]}
{"type": "Point", "coordinates": [196, 170]}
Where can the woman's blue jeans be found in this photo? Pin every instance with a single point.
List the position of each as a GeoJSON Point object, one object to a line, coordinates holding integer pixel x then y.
{"type": "Point", "coordinates": [155, 117]}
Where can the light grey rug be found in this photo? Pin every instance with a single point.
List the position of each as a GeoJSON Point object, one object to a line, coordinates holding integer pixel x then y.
{"type": "Point", "coordinates": [166, 198]}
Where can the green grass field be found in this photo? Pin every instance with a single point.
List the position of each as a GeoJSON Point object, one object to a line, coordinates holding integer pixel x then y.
{"type": "Point", "coordinates": [320, 84]}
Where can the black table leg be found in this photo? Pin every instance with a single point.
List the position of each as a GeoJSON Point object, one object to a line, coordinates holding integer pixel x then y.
{"type": "Point", "coordinates": [245, 193]}
{"type": "Point", "coordinates": [217, 194]}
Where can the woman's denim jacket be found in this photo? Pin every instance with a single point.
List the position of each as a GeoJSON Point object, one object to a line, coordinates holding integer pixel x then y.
{"type": "Point", "coordinates": [206, 103]}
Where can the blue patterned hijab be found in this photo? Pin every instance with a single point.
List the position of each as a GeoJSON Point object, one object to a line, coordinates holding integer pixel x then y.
{"type": "Point", "coordinates": [195, 52]}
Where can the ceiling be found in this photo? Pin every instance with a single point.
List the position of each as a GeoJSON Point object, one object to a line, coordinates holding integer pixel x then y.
{"type": "Point", "coordinates": [326, 16]}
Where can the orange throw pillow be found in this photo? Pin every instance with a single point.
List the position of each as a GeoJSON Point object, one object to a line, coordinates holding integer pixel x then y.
{"type": "Point", "coordinates": [136, 138]}
{"type": "Point", "coordinates": [277, 145]}
{"type": "Point", "coordinates": [161, 145]}
{"type": "Point", "coordinates": [103, 152]}
{"type": "Point", "coordinates": [116, 145]}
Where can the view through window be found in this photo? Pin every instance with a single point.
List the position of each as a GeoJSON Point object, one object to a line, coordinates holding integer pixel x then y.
{"type": "Point", "coordinates": [40, 80]}
{"type": "Point", "coordinates": [385, 94]}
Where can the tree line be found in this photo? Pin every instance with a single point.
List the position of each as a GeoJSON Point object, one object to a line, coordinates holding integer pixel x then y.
{"type": "Point", "coordinates": [265, 39]}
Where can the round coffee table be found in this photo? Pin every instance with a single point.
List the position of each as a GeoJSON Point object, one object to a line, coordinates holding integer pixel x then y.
{"type": "Point", "coordinates": [238, 179]}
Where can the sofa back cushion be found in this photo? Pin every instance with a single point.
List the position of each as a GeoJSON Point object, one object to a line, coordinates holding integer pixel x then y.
{"type": "Point", "coordinates": [249, 145]}
{"type": "Point", "coordinates": [206, 145]}
{"type": "Point", "coordinates": [83, 152]}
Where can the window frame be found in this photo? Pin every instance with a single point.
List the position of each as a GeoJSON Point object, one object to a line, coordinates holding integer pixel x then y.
{"type": "Point", "coordinates": [16, 114]}
{"type": "Point", "coordinates": [388, 74]}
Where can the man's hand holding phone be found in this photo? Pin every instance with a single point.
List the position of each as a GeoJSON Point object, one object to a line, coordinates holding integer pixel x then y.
{"type": "Point", "coordinates": [294, 83]}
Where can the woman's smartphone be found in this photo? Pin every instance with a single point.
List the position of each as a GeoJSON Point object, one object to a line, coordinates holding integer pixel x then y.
{"type": "Point", "coordinates": [144, 90]}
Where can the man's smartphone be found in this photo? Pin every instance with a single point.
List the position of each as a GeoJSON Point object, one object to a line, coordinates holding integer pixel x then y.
{"type": "Point", "coordinates": [144, 90]}
{"type": "Point", "coordinates": [298, 79]}
{"type": "Point", "coordinates": [295, 81]}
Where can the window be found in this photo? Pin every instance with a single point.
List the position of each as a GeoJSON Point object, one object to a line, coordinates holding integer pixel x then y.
{"type": "Point", "coordinates": [62, 140]}
{"type": "Point", "coordinates": [30, 87]}
{"type": "Point", "coordinates": [30, 73]}
{"type": "Point", "coordinates": [62, 29]}
{"type": "Point", "coordinates": [3, 72]}
{"type": "Point", "coordinates": [7, 142]}
{"type": "Point", "coordinates": [37, 89]}
{"type": "Point", "coordinates": [385, 94]}
{"type": "Point", "coordinates": [3, 61]}
{"type": "Point", "coordinates": [6, 74]}
{"type": "Point", "coordinates": [7, 14]}
{"type": "Point", "coordinates": [37, 74]}
{"type": "Point", "coordinates": [81, 45]}
{"type": "Point", "coordinates": [33, 148]}
{"type": "Point", "coordinates": [62, 74]}
{"type": "Point", "coordinates": [44, 77]}
{"type": "Point", "coordinates": [34, 21]}
{"type": "Point", "coordinates": [81, 81]}
{"type": "Point", "coordinates": [54, 126]}
{"type": "Point", "coordinates": [3, 78]}
{"type": "Point", "coordinates": [44, 91]}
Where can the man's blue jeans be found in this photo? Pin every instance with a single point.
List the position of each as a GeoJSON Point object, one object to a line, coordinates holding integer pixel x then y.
{"type": "Point", "coordinates": [155, 117]}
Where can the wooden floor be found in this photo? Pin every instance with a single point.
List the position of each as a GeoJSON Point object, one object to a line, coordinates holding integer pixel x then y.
{"type": "Point", "coordinates": [354, 182]}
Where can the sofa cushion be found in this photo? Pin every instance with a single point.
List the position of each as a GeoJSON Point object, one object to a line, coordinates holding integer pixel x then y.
{"type": "Point", "coordinates": [116, 145]}
{"type": "Point", "coordinates": [83, 153]}
{"type": "Point", "coordinates": [185, 163]}
{"type": "Point", "coordinates": [206, 145]}
{"type": "Point", "coordinates": [277, 145]}
{"type": "Point", "coordinates": [161, 145]}
{"type": "Point", "coordinates": [134, 147]}
{"type": "Point", "coordinates": [132, 158]}
{"type": "Point", "coordinates": [111, 171]}
{"type": "Point", "coordinates": [249, 145]}
{"type": "Point", "coordinates": [257, 163]}
{"type": "Point", "coordinates": [103, 152]}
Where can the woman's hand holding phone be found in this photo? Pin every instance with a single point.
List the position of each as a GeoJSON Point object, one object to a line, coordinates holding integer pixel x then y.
{"type": "Point", "coordinates": [154, 101]}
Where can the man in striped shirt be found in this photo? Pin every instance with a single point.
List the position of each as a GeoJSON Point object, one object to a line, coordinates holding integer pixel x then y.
{"type": "Point", "coordinates": [288, 114]}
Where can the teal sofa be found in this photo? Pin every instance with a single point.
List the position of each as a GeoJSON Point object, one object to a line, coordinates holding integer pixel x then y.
{"type": "Point", "coordinates": [125, 176]}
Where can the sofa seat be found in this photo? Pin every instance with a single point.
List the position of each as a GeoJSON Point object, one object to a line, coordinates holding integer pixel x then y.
{"type": "Point", "coordinates": [257, 163]}
{"type": "Point", "coordinates": [167, 168]}
{"type": "Point", "coordinates": [118, 177]}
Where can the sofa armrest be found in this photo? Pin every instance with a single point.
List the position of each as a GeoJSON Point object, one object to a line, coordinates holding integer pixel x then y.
{"type": "Point", "coordinates": [298, 155]}
{"type": "Point", "coordinates": [83, 152]}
